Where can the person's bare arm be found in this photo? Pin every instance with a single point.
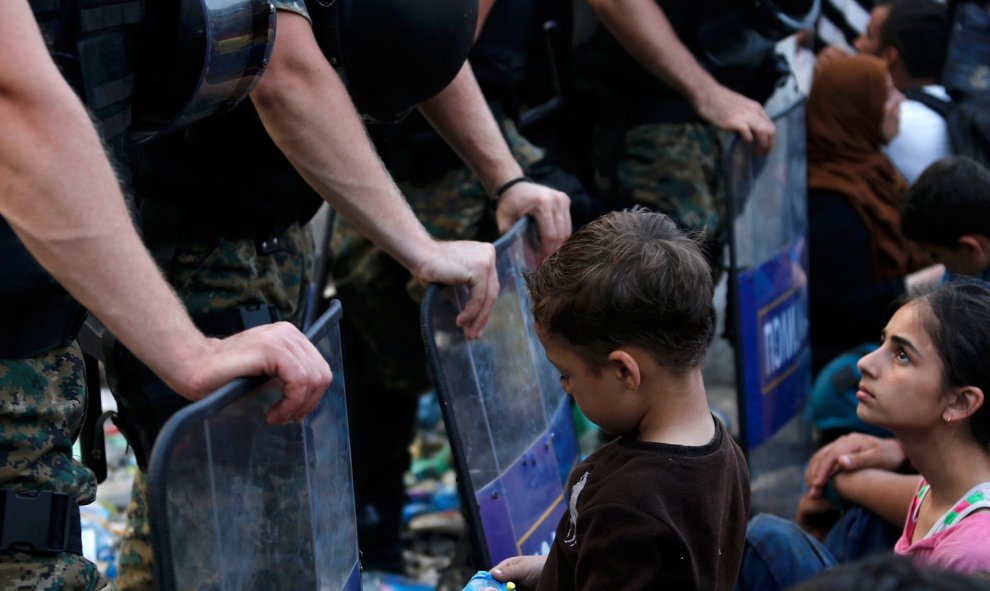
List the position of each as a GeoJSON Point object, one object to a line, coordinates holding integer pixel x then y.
{"type": "Point", "coordinates": [644, 31]}
{"type": "Point", "coordinates": [849, 453]}
{"type": "Point", "coordinates": [309, 115]}
{"type": "Point", "coordinates": [484, 7]}
{"type": "Point", "coordinates": [461, 115]}
{"type": "Point", "coordinates": [888, 494]}
{"type": "Point", "coordinates": [61, 197]}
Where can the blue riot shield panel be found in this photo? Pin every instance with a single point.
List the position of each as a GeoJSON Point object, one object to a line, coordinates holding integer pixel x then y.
{"type": "Point", "coordinates": [769, 270]}
{"type": "Point", "coordinates": [238, 504]}
{"type": "Point", "coordinates": [508, 420]}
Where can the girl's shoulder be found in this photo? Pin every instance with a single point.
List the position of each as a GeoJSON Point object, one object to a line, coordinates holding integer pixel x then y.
{"type": "Point", "coordinates": [963, 547]}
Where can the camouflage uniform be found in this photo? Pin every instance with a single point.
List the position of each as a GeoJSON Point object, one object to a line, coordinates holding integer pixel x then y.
{"type": "Point", "coordinates": [209, 278]}
{"type": "Point", "coordinates": [384, 354]}
{"type": "Point", "coordinates": [42, 398]}
{"type": "Point", "coordinates": [675, 168]}
{"type": "Point", "coordinates": [42, 402]}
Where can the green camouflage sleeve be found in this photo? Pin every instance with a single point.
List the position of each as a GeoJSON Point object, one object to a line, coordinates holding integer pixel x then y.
{"type": "Point", "coordinates": [296, 6]}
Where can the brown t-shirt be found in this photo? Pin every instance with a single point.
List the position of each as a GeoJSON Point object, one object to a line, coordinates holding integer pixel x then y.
{"type": "Point", "coordinates": [646, 515]}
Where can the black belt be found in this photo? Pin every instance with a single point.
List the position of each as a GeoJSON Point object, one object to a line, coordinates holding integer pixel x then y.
{"type": "Point", "coordinates": [31, 329]}
{"type": "Point", "coordinates": [167, 221]}
{"type": "Point", "coordinates": [224, 323]}
{"type": "Point", "coordinates": [39, 522]}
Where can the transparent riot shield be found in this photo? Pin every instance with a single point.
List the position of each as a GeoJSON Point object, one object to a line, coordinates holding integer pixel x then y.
{"type": "Point", "coordinates": [769, 270]}
{"type": "Point", "coordinates": [238, 504]}
{"type": "Point", "coordinates": [508, 420]}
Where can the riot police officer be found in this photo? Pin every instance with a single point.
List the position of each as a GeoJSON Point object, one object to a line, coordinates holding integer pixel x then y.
{"type": "Point", "coordinates": [660, 106]}
{"type": "Point", "coordinates": [72, 219]}
{"type": "Point", "coordinates": [456, 194]}
{"type": "Point", "coordinates": [61, 202]}
{"type": "Point", "coordinates": [231, 203]}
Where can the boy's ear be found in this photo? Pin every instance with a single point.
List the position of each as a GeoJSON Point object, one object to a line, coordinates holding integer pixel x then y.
{"type": "Point", "coordinates": [626, 368]}
{"type": "Point", "coordinates": [890, 55]}
{"type": "Point", "coordinates": [965, 401]}
{"type": "Point", "coordinates": [977, 245]}
{"type": "Point", "coordinates": [971, 242]}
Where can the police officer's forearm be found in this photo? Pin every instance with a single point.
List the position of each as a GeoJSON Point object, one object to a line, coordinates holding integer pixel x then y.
{"type": "Point", "coordinates": [309, 115]}
{"type": "Point", "coordinates": [644, 31]}
{"type": "Point", "coordinates": [484, 7]}
{"type": "Point", "coordinates": [60, 195]}
{"type": "Point", "coordinates": [460, 114]}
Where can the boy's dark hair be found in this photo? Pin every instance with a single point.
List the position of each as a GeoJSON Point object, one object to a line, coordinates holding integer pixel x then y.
{"type": "Point", "coordinates": [959, 325]}
{"type": "Point", "coordinates": [919, 30]}
{"type": "Point", "coordinates": [950, 199]}
{"type": "Point", "coordinates": [628, 278]}
{"type": "Point", "coordinates": [890, 572]}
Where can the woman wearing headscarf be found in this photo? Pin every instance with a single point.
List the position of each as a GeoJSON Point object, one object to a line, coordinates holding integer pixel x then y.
{"type": "Point", "coordinates": [860, 263]}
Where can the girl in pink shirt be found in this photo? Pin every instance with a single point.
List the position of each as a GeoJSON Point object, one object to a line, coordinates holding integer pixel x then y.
{"type": "Point", "coordinates": [927, 384]}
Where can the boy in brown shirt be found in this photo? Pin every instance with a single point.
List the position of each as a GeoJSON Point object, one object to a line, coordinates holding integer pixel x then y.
{"type": "Point", "coordinates": [624, 311]}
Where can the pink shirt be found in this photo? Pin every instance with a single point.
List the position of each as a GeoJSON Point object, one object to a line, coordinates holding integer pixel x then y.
{"type": "Point", "coordinates": [960, 546]}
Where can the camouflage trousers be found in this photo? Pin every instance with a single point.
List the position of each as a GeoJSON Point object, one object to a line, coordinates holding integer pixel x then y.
{"type": "Point", "coordinates": [42, 403]}
{"type": "Point", "coordinates": [675, 169]}
{"type": "Point", "coordinates": [210, 278]}
{"type": "Point", "coordinates": [383, 347]}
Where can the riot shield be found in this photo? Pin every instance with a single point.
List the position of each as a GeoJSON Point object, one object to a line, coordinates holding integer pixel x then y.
{"type": "Point", "coordinates": [508, 420]}
{"type": "Point", "coordinates": [769, 270]}
{"type": "Point", "coordinates": [238, 504]}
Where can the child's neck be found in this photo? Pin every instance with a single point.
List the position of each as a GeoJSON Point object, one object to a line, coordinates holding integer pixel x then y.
{"type": "Point", "coordinates": [950, 460]}
{"type": "Point", "coordinates": [677, 411]}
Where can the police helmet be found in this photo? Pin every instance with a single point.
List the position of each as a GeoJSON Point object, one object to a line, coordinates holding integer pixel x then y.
{"type": "Point", "coordinates": [394, 54]}
{"type": "Point", "coordinates": [197, 58]}
{"type": "Point", "coordinates": [741, 39]}
{"type": "Point", "coordinates": [777, 19]}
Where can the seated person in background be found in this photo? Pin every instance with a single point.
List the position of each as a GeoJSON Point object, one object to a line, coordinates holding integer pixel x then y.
{"type": "Point", "coordinates": [947, 212]}
{"type": "Point", "coordinates": [926, 384]}
{"type": "Point", "coordinates": [624, 311]}
{"type": "Point", "coordinates": [912, 38]}
{"type": "Point", "coordinates": [859, 259]}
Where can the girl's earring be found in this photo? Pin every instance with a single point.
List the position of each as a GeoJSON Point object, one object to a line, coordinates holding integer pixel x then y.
{"type": "Point", "coordinates": [948, 420]}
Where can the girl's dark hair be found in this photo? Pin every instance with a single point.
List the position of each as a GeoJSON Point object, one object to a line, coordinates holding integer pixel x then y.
{"type": "Point", "coordinates": [959, 325]}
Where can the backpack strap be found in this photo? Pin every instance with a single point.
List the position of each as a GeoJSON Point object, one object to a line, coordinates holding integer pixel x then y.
{"type": "Point", "coordinates": [977, 498]}
{"type": "Point", "coordinates": [942, 107]}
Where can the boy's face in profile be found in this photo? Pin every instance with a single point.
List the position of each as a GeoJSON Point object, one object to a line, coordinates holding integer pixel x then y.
{"type": "Point", "coordinates": [602, 397]}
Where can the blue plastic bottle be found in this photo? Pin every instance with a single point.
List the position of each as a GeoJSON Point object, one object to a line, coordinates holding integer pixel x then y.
{"type": "Point", "coordinates": [483, 580]}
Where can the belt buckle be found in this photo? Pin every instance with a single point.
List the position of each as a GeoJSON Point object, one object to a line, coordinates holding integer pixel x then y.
{"type": "Point", "coordinates": [27, 521]}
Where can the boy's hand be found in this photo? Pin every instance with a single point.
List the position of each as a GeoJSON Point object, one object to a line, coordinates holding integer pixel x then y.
{"type": "Point", "coordinates": [524, 571]}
